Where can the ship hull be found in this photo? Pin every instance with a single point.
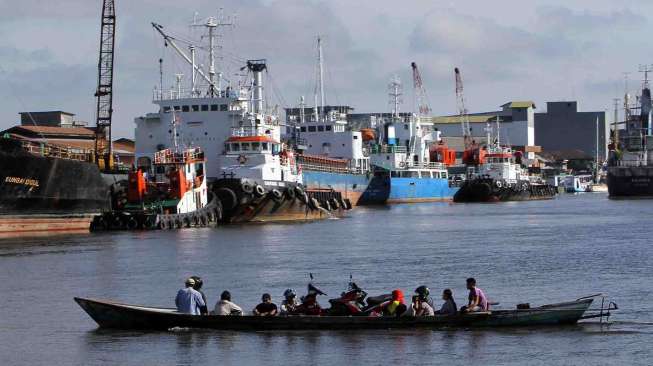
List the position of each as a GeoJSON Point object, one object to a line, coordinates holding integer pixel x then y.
{"type": "Point", "coordinates": [630, 182]}
{"type": "Point", "coordinates": [384, 189]}
{"type": "Point", "coordinates": [350, 186]}
{"type": "Point", "coordinates": [489, 190]}
{"type": "Point", "coordinates": [47, 194]}
{"type": "Point", "coordinates": [248, 200]}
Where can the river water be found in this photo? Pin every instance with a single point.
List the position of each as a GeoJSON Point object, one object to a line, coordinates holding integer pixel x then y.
{"type": "Point", "coordinates": [536, 252]}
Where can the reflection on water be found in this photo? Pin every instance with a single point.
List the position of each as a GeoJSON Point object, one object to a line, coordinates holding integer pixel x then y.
{"type": "Point", "coordinates": [537, 252]}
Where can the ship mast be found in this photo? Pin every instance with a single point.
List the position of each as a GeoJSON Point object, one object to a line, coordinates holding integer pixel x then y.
{"type": "Point", "coordinates": [319, 87]}
{"type": "Point", "coordinates": [104, 91]}
{"type": "Point", "coordinates": [395, 95]}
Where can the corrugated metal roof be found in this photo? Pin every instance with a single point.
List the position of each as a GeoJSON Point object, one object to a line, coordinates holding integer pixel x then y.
{"type": "Point", "coordinates": [520, 104]}
{"type": "Point", "coordinates": [57, 130]}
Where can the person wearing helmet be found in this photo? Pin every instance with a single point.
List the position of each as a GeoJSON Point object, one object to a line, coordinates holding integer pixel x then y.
{"type": "Point", "coordinates": [226, 307]}
{"type": "Point", "coordinates": [421, 306]}
{"type": "Point", "coordinates": [188, 300]}
{"type": "Point", "coordinates": [290, 304]}
{"type": "Point", "coordinates": [198, 287]}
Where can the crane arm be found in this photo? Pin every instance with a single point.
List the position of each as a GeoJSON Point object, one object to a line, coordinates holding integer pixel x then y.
{"type": "Point", "coordinates": [171, 41]}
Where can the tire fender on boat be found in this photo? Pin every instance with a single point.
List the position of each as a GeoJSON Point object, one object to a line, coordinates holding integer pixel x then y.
{"type": "Point", "coordinates": [247, 187]}
{"type": "Point", "coordinates": [276, 194]}
{"type": "Point", "coordinates": [132, 223]}
{"type": "Point", "coordinates": [313, 203]}
{"type": "Point", "coordinates": [227, 198]}
{"type": "Point", "coordinates": [498, 184]}
{"type": "Point", "coordinates": [290, 193]}
{"type": "Point", "coordinates": [259, 191]}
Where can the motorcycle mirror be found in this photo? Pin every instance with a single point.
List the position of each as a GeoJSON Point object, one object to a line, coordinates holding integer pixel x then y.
{"type": "Point", "coordinates": [311, 275]}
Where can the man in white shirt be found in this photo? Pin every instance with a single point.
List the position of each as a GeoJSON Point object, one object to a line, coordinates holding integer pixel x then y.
{"type": "Point", "coordinates": [226, 307]}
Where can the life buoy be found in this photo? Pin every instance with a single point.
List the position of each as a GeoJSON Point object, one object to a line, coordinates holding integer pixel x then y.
{"type": "Point", "coordinates": [498, 184]}
{"type": "Point", "coordinates": [402, 164]}
{"type": "Point", "coordinates": [259, 190]}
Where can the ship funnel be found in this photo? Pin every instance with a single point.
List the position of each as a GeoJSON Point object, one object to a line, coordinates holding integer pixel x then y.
{"type": "Point", "coordinates": [257, 67]}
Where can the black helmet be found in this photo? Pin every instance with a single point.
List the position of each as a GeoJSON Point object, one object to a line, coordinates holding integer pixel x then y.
{"type": "Point", "coordinates": [198, 282]}
{"type": "Point", "coordinates": [289, 293]}
{"type": "Point", "coordinates": [226, 295]}
{"type": "Point", "coordinates": [423, 292]}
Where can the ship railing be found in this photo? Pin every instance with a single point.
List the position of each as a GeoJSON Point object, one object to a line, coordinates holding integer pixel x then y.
{"type": "Point", "coordinates": [388, 149]}
{"type": "Point", "coordinates": [323, 164]}
{"type": "Point", "coordinates": [426, 165]}
{"type": "Point", "coordinates": [55, 151]}
{"type": "Point", "coordinates": [184, 93]}
{"type": "Point", "coordinates": [168, 156]}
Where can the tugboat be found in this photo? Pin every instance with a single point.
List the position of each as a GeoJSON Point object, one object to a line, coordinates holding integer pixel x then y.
{"type": "Point", "coordinates": [172, 194]}
{"type": "Point", "coordinates": [630, 158]}
{"type": "Point", "coordinates": [261, 180]}
{"type": "Point", "coordinates": [500, 177]}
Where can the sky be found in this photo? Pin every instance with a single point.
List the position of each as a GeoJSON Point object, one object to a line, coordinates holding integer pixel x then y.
{"type": "Point", "coordinates": [540, 50]}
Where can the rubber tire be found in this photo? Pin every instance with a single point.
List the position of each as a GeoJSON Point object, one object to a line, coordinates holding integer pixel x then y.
{"type": "Point", "coordinates": [276, 195]}
{"type": "Point", "coordinates": [132, 223]}
{"type": "Point", "coordinates": [227, 198]}
{"type": "Point", "coordinates": [290, 193]}
{"type": "Point", "coordinates": [259, 191]}
{"type": "Point", "coordinates": [247, 187]}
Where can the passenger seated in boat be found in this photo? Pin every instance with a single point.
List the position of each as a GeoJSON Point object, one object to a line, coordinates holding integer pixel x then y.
{"type": "Point", "coordinates": [396, 306]}
{"type": "Point", "coordinates": [449, 306]}
{"type": "Point", "coordinates": [421, 306]}
{"type": "Point", "coordinates": [204, 310]}
{"type": "Point", "coordinates": [188, 300]}
{"type": "Point", "coordinates": [226, 307]}
{"type": "Point", "coordinates": [477, 298]}
{"type": "Point", "coordinates": [266, 307]}
{"type": "Point", "coordinates": [290, 304]}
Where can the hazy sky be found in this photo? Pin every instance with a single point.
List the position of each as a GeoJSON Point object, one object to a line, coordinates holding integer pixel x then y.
{"type": "Point", "coordinates": [542, 50]}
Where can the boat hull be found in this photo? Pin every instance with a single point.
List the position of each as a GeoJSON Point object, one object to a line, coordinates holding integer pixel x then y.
{"type": "Point", "coordinates": [488, 190]}
{"type": "Point", "coordinates": [241, 203]}
{"type": "Point", "coordinates": [108, 314]}
{"type": "Point", "coordinates": [39, 193]}
{"type": "Point", "coordinates": [350, 186]}
{"type": "Point", "coordinates": [630, 182]}
{"type": "Point", "coordinates": [384, 189]}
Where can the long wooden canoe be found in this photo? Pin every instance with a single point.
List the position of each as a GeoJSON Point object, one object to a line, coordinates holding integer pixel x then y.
{"type": "Point", "coordinates": [109, 314]}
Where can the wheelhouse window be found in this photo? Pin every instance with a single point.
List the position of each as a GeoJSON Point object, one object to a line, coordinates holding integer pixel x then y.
{"type": "Point", "coordinates": [214, 107]}
{"type": "Point", "coordinates": [227, 147]}
{"type": "Point", "coordinates": [205, 107]}
{"type": "Point", "coordinates": [275, 148]}
{"type": "Point", "coordinates": [328, 127]}
{"type": "Point", "coordinates": [302, 129]}
{"type": "Point", "coordinates": [196, 108]}
{"type": "Point", "coordinates": [311, 128]}
{"type": "Point", "coordinates": [244, 146]}
{"type": "Point", "coordinates": [256, 146]}
{"type": "Point", "coordinates": [235, 146]}
{"type": "Point", "coordinates": [224, 107]}
{"type": "Point", "coordinates": [264, 146]}
{"type": "Point", "coordinates": [185, 108]}
{"type": "Point", "coordinates": [177, 108]}
{"type": "Point", "coordinates": [166, 109]}
{"type": "Point", "coordinates": [320, 128]}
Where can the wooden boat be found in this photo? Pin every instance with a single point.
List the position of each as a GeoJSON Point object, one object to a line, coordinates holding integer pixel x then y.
{"type": "Point", "coordinates": [109, 314]}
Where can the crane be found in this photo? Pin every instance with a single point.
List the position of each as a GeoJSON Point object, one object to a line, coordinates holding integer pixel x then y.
{"type": "Point", "coordinates": [462, 111]}
{"type": "Point", "coordinates": [420, 92]}
{"type": "Point", "coordinates": [104, 91]}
